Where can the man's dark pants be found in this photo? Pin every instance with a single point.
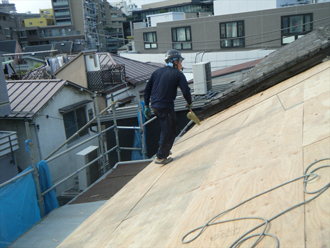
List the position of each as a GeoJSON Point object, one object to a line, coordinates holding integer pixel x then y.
{"type": "Point", "coordinates": [168, 122]}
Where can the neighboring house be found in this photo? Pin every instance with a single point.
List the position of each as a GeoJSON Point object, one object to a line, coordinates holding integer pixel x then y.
{"type": "Point", "coordinates": [7, 26]}
{"type": "Point", "coordinates": [9, 147]}
{"type": "Point", "coordinates": [29, 63]}
{"type": "Point", "coordinates": [53, 110]}
{"type": "Point", "coordinates": [11, 47]}
{"type": "Point", "coordinates": [40, 51]}
{"type": "Point", "coordinates": [107, 73]}
{"type": "Point", "coordinates": [63, 47]}
{"type": "Point", "coordinates": [263, 29]}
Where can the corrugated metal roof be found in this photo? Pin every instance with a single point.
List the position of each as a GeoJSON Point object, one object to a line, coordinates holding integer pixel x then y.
{"type": "Point", "coordinates": [28, 97]}
{"type": "Point", "coordinates": [130, 110]}
{"type": "Point", "coordinates": [136, 71]}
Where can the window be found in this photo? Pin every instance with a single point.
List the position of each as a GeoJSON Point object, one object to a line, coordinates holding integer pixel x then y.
{"type": "Point", "coordinates": [7, 32]}
{"type": "Point", "coordinates": [0, 30]}
{"type": "Point", "coordinates": [180, 36]}
{"type": "Point", "coordinates": [73, 121]}
{"type": "Point", "coordinates": [150, 40]}
{"type": "Point", "coordinates": [232, 34]}
{"type": "Point", "coordinates": [296, 26]}
{"type": "Point", "coordinates": [22, 34]}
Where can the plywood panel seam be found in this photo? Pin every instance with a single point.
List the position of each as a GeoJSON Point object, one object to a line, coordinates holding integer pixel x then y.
{"type": "Point", "coordinates": [260, 103]}
{"type": "Point", "coordinates": [156, 180]}
{"type": "Point", "coordinates": [316, 141]}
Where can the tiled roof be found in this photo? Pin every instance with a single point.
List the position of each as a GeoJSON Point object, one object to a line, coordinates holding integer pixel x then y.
{"type": "Point", "coordinates": [38, 73]}
{"type": "Point", "coordinates": [278, 66]}
{"type": "Point", "coordinates": [136, 71]}
{"type": "Point", "coordinates": [28, 97]}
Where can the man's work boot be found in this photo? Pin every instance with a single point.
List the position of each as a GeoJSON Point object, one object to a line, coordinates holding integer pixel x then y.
{"type": "Point", "coordinates": [163, 161]}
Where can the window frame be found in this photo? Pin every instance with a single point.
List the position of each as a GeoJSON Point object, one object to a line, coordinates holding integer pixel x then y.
{"type": "Point", "coordinates": [77, 124]}
{"type": "Point", "coordinates": [150, 43]}
{"type": "Point", "coordinates": [292, 36]}
{"type": "Point", "coordinates": [239, 37]}
{"type": "Point", "coordinates": [180, 45]}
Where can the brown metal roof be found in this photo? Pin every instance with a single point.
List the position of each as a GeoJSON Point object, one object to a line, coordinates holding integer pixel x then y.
{"type": "Point", "coordinates": [28, 97]}
{"type": "Point", "coordinates": [136, 71]}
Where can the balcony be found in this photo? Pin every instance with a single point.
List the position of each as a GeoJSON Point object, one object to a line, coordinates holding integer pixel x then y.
{"type": "Point", "coordinates": [62, 14]}
{"type": "Point", "coordinates": [61, 3]}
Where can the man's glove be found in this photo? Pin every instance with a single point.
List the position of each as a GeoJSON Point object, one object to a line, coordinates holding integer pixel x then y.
{"type": "Point", "coordinates": [189, 106]}
{"type": "Point", "coordinates": [147, 113]}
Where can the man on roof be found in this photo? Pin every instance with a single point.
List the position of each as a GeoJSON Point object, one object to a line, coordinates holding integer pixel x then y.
{"type": "Point", "coordinates": [161, 91]}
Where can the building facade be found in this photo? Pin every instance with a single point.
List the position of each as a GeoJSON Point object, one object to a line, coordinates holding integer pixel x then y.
{"type": "Point", "coordinates": [7, 26]}
{"type": "Point", "coordinates": [89, 17]}
{"type": "Point", "coordinates": [266, 29]}
{"type": "Point", "coordinates": [186, 6]}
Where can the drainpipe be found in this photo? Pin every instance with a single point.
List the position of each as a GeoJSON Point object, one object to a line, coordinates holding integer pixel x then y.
{"type": "Point", "coordinates": [101, 137]}
{"type": "Point", "coordinates": [38, 141]}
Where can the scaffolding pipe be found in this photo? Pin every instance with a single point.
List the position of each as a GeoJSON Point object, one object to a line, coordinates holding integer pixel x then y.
{"type": "Point", "coordinates": [141, 127]}
{"type": "Point", "coordinates": [109, 128]}
{"type": "Point", "coordinates": [73, 147]}
{"type": "Point", "coordinates": [112, 149]}
{"type": "Point", "coordinates": [81, 129]}
{"type": "Point", "coordinates": [16, 178]}
{"type": "Point", "coordinates": [116, 129]}
{"type": "Point", "coordinates": [130, 148]}
{"type": "Point", "coordinates": [105, 175]}
{"type": "Point", "coordinates": [152, 119]}
{"type": "Point", "coordinates": [134, 128]}
{"type": "Point", "coordinates": [71, 175]}
{"type": "Point", "coordinates": [101, 142]}
{"type": "Point", "coordinates": [35, 170]}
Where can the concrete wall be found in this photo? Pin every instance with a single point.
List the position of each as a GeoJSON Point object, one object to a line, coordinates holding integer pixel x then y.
{"type": "Point", "coordinates": [77, 17]}
{"type": "Point", "coordinates": [262, 29]}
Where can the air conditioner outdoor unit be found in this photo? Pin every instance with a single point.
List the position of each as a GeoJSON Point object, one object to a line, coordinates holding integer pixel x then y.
{"type": "Point", "coordinates": [202, 78]}
{"type": "Point", "coordinates": [89, 175]}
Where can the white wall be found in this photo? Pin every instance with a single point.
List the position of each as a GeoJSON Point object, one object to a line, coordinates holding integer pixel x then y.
{"type": "Point", "coordinates": [165, 17]}
{"type": "Point", "coordinates": [224, 7]}
{"type": "Point", "coordinates": [51, 134]}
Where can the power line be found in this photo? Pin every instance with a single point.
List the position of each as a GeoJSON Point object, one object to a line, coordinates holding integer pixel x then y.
{"type": "Point", "coordinates": [217, 40]}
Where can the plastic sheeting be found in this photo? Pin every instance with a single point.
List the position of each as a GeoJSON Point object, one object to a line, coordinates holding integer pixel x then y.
{"type": "Point", "coordinates": [19, 208]}
{"type": "Point", "coordinates": [137, 155]}
{"type": "Point", "coordinates": [45, 181]}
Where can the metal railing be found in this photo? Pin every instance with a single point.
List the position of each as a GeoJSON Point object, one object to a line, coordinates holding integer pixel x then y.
{"type": "Point", "coordinates": [102, 157]}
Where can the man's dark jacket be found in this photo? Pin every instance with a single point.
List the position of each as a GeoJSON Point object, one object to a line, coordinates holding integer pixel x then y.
{"type": "Point", "coordinates": [162, 87]}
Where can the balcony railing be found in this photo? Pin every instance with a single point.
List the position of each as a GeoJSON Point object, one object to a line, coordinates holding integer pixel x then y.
{"type": "Point", "coordinates": [61, 3]}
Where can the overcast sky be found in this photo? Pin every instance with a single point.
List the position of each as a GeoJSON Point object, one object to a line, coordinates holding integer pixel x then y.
{"type": "Point", "coordinates": [23, 6]}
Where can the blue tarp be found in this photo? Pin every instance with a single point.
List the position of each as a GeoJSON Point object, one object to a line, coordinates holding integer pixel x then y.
{"type": "Point", "coordinates": [45, 181]}
{"type": "Point", "coordinates": [19, 208]}
{"type": "Point", "coordinates": [137, 155]}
